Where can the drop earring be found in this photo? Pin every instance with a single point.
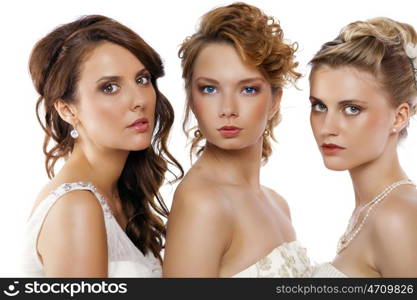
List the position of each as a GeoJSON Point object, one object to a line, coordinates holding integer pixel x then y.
{"type": "Point", "coordinates": [74, 133]}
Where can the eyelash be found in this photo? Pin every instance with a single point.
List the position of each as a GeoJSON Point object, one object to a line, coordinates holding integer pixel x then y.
{"type": "Point", "coordinates": [253, 88]}
{"type": "Point", "coordinates": [105, 86]}
{"type": "Point", "coordinates": [148, 77]}
{"type": "Point", "coordinates": [357, 108]}
{"type": "Point", "coordinates": [315, 104]}
{"type": "Point", "coordinates": [204, 88]}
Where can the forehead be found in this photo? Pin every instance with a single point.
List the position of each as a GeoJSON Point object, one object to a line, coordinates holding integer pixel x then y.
{"type": "Point", "coordinates": [222, 62]}
{"type": "Point", "coordinates": [345, 82]}
{"type": "Point", "coordinates": [109, 59]}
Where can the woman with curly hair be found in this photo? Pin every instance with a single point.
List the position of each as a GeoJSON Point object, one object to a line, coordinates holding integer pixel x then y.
{"type": "Point", "coordinates": [101, 214]}
{"type": "Point", "coordinates": [223, 222]}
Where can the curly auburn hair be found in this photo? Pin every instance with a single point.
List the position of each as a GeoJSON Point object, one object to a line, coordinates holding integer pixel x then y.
{"type": "Point", "coordinates": [55, 65]}
{"type": "Point", "coordinates": [378, 47]}
{"type": "Point", "coordinates": [259, 41]}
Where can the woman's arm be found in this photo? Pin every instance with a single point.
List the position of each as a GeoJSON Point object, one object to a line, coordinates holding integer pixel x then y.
{"type": "Point", "coordinates": [72, 241]}
{"type": "Point", "coordinates": [199, 232]}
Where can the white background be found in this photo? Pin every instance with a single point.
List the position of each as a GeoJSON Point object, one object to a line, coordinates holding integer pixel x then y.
{"type": "Point", "coordinates": [320, 200]}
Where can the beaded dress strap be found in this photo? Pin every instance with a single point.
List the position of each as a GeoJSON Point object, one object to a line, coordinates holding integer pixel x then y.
{"type": "Point", "coordinates": [81, 185]}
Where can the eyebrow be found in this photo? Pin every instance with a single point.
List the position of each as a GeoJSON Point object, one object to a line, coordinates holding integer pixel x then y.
{"type": "Point", "coordinates": [343, 102]}
{"type": "Point", "coordinates": [117, 78]}
{"type": "Point", "coordinates": [243, 81]}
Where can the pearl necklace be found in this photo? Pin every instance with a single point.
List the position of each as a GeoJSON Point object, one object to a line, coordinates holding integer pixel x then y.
{"type": "Point", "coordinates": [348, 236]}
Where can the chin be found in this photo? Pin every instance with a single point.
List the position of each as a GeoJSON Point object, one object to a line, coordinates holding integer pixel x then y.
{"type": "Point", "coordinates": [138, 146]}
{"type": "Point", "coordinates": [231, 144]}
{"type": "Point", "coordinates": [335, 165]}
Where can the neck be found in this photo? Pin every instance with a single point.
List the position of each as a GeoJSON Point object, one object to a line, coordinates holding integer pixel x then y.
{"type": "Point", "coordinates": [103, 167]}
{"type": "Point", "coordinates": [237, 167]}
{"type": "Point", "coordinates": [371, 178]}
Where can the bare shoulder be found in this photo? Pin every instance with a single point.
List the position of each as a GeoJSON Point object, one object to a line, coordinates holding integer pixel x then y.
{"type": "Point", "coordinates": [74, 228]}
{"type": "Point", "coordinates": [397, 212]}
{"type": "Point", "coordinates": [78, 204]}
{"type": "Point", "coordinates": [202, 196]}
{"type": "Point", "coordinates": [199, 230]}
{"type": "Point", "coordinates": [394, 233]}
{"type": "Point", "coordinates": [279, 200]}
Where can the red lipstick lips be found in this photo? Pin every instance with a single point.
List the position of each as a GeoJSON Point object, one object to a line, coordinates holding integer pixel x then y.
{"type": "Point", "coordinates": [331, 149]}
{"type": "Point", "coordinates": [229, 131]}
{"type": "Point", "coordinates": [140, 125]}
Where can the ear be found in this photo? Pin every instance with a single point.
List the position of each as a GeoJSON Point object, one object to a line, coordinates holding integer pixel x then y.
{"type": "Point", "coordinates": [66, 111]}
{"type": "Point", "coordinates": [276, 101]}
{"type": "Point", "coordinates": [402, 117]}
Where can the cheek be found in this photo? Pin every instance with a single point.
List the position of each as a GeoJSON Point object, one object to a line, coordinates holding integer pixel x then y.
{"type": "Point", "coordinates": [369, 127]}
{"type": "Point", "coordinates": [315, 123]}
{"type": "Point", "coordinates": [256, 111]}
{"type": "Point", "coordinates": [368, 137]}
{"type": "Point", "coordinates": [102, 116]}
{"type": "Point", "coordinates": [102, 113]}
{"type": "Point", "coordinates": [205, 111]}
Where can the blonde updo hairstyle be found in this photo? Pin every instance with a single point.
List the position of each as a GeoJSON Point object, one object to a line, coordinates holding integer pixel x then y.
{"type": "Point", "coordinates": [376, 46]}
{"type": "Point", "coordinates": [257, 38]}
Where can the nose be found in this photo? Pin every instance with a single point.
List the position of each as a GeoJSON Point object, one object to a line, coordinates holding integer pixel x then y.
{"type": "Point", "coordinates": [330, 124]}
{"type": "Point", "coordinates": [137, 98]}
{"type": "Point", "coordinates": [228, 107]}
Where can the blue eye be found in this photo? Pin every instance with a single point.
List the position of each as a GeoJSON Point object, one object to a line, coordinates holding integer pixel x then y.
{"type": "Point", "coordinates": [320, 107]}
{"type": "Point", "coordinates": [250, 90]}
{"type": "Point", "coordinates": [351, 110]}
{"type": "Point", "coordinates": [110, 88]}
{"type": "Point", "coordinates": [208, 89]}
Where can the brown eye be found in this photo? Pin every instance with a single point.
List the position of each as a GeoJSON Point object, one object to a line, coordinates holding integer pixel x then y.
{"type": "Point", "coordinates": [110, 88]}
{"type": "Point", "coordinates": [144, 80]}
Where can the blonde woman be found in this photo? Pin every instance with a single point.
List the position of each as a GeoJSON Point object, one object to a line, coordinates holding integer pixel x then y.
{"type": "Point", "coordinates": [363, 93]}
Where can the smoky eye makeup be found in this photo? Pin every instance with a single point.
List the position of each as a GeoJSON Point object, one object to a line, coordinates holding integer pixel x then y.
{"type": "Point", "coordinates": [144, 79]}
{"type": "Point", "coordinates": [317, 105]}
{"type": "Point", "coordinates": [109, 88]}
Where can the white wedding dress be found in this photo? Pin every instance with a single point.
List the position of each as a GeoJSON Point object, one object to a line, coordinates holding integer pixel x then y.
{"type": "Point", "coordinates": [124, 258]}
{"type": "Point", "coordinates": [287, 260]}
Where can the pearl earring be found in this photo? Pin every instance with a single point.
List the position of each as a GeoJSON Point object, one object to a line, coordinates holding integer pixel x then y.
{"type": "Point", "coordinates": [266, 133]}
{"type": "Point", "coordinates": [394, 130]}
{"type": "Point", "coordinates": [74, 133]}
{"type": "Point", "coordinates": [198, 133]}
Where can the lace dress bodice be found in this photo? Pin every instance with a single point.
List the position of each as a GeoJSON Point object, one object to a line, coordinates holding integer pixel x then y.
{"type": "Point", "coordinates": [124, 258]}
{"type": "Point", "coordinates": [327, 270]}
{"type": "Point", "coordinates": [287, 260]}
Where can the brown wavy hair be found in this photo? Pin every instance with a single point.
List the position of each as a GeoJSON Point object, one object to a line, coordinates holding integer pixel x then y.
{"type": "Point", "coordinates": [376, 46]}
{"type": "Point", "coordinates": [259, 41]}
{"type": "Point", "coordinates": [55, 65]}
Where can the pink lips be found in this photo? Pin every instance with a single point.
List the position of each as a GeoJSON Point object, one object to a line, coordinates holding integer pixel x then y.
{"type": "Point", "coordinates": [140, 125]}
{"type": "Point", "coordinates": [331, 149]}
{"type": "Point", "coordinates": [229, 131]}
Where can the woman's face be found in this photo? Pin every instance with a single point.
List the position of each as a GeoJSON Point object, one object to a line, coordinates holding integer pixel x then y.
{"type": "Point", "coordinates": [351, 116]}
{"type": "Point", "coordinates": [231, 100]}
{"type": "Point", "coordinates": [116, 100]}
